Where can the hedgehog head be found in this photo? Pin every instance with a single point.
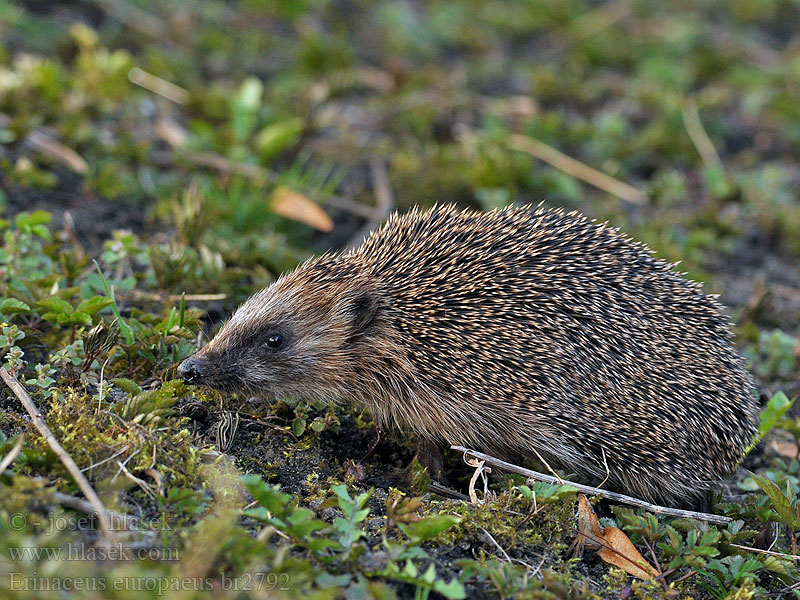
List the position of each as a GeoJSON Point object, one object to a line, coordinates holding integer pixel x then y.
{"type": "Point", "coordinates": [294, 338]}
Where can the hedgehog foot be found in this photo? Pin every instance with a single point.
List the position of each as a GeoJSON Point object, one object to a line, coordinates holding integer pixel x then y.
{"type": "Point", "coordinates": [429, 455]}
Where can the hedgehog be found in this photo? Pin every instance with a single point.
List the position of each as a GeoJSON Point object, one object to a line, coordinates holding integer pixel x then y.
{"type": "Point", "coordinates": [522, 332]}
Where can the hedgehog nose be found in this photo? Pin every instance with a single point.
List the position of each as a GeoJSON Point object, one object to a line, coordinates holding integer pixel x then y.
{"type": "Point", "coordinates": [192, 370]}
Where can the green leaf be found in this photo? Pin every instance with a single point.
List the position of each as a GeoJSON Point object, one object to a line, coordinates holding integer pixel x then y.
{"type": "Point", "coordinates": [94, 304]}
{"type": "Point", "coordinates": [783, 567]}
{"type": "Point", "coordinates": [429, 527]}
{"type": "Point", "coordinates": [525, 491]}
{"type": "Point", "coordinates": [547, 493]}
{"type": "Point", "coordinates": [303, 522]}
{"type": "Point", "coordinates": [29, 219]}
{"type": "Point", "coordinates": [705, 551]}
{"type": "Point", "coordinates": [41, 231]}
{"type": "Point", "coordinates": [127, 385]}
{"type": "Point", "coordinates": [10, 306]}
{"type": "Point", "coordinates": [781, 504]}
{"type": "Point", "coordinates": [453, 589]}
{"type": "Point", "coordinates": [244, 106]}
{"type": "Point", "coordinates": [270, 497]}
{"type": "Point", "coordinates": [345, 501]}
{"type": "Point", "coordinates": [776, 408]}
{"type": "Point", "coordinates": [327, 580]}
{"type": "Point", "coordinates": [277, 137]}
{"type": "Point", "coordinates": [299, 426]}
{"type": "Point", "coordinates": [76, 318]}
{"type": "Point", "coordinates": [56, 305]}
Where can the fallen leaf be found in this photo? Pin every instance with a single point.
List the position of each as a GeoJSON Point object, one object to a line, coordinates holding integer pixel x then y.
{"type": "Point", "coordinates": [611, 543]}
{"type": "Point", "coordinates": [621, 553]}
{"type": "Point", "coordinates": [294, 205]}
{"type": "Point", "coordinates": [589, 530]}
{"type": "Point", "coordinates": [785, 448]}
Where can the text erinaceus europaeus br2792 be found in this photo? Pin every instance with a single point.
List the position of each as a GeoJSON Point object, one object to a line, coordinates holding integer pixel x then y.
{"type": "Point", "coordinates": [521, 332]}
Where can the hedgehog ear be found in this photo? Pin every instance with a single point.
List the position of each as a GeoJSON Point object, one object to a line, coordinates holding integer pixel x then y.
{"type": "Point", "coordinates": [364, 309]}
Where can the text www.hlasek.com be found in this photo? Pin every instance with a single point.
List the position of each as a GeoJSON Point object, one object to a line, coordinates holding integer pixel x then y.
{"type": "Point", "coordinates": [81, 551]}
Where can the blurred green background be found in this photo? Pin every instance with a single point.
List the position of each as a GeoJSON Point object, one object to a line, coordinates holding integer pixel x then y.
{"type": "Point", "coordinates": [198, 119]}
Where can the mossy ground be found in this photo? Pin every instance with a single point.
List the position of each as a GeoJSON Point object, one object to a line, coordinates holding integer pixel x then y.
{"type": "Point", "coordinates": [176, 190]}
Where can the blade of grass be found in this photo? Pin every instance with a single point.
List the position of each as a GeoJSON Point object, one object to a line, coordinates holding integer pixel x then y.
{"type": "Point", "coordinates": [127, 331]}
{"type": "Point", "coordinates": [182, 310]}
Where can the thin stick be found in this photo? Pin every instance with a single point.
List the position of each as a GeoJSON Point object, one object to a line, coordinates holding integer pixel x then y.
{"type": "Point", "coordinates": [351, 206]}
{"type": "Point", "coordinates": [577, 169]}
{"type": "Point", "coordinates": [9, 458]}
{"type": "Point", "coordinates": [443, 490]}
{"type": "Point", "coordinates": [120, 520]}
{"type": "Point", "coordinates": [220, 163]}
{"type": "Point", "coordinates": [58, 151]}
{"type": "Point", "coordinates": [499, 547]}
{"type": "Point", "coordinates": [73, 469]}
{"type": "Point", "coordinates": [154, 297]}
{"type": "Point", "coordinates": [384, 202]}
{"type": "Point", "coordinates": [146, 487]}
{"type": "Point", "coordinates": [586, 489]}
{"type": "Point", "coordinates": [767, 552]}
{"type": "Point", "coordinates": [157, 85]}
{"type": "Point", "coordinates": [698, 135]}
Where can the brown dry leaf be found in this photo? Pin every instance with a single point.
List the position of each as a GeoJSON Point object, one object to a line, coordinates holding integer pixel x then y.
{"type": "Point", "coordinates": [294, 205]}
{"type": "Point", "coordinates": [785, 448]}
{"type": "Point", "coordinates": [621, 553]}
{"type": "Point", "coordinates": [589, 529]}
{"type": "Point", "coordinates": [612, 545]}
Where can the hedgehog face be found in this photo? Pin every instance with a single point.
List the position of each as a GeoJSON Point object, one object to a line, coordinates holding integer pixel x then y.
{"type": "Point", "coordinates": [291, 339]}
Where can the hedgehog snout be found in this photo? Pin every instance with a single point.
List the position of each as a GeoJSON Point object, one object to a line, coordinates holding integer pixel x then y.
{"type": "Point", "coordinates": [194, 369]}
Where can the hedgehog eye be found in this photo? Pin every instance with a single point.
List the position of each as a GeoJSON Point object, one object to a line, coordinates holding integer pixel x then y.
{"type": "Point", "coordinates": [275, 340]}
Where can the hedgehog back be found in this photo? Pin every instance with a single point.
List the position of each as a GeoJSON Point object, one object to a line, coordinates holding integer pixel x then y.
{"type": "Point", "coordinates": [540, 332]}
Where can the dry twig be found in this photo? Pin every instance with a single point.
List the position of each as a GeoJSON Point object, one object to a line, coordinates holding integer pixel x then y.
{"type": "Point", "coordinates": [654, 508]}
{"type": "Point", "coordinates": [9, 458]}
{"type": "Point", "coordinates": [577, 169]}
{"type": "Point", "coordinates": [102, 512]}
{"type": "Point", "coordinates": [58, 151]}
{"type": "Point", "coordinates": [698, 135]}
{"type": "Point", "coordinates": [120, 521]}
{"type": "Point", "coordinates": [157, 85]}
{"type": "Point", "coordinates": [499, 547]}
{"type": "Point", "coordinates": [384, 202]}
{"type": "Point", "coordinates": [767, 552]}
{"type": "Point", "coordinates": [156, 297]}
